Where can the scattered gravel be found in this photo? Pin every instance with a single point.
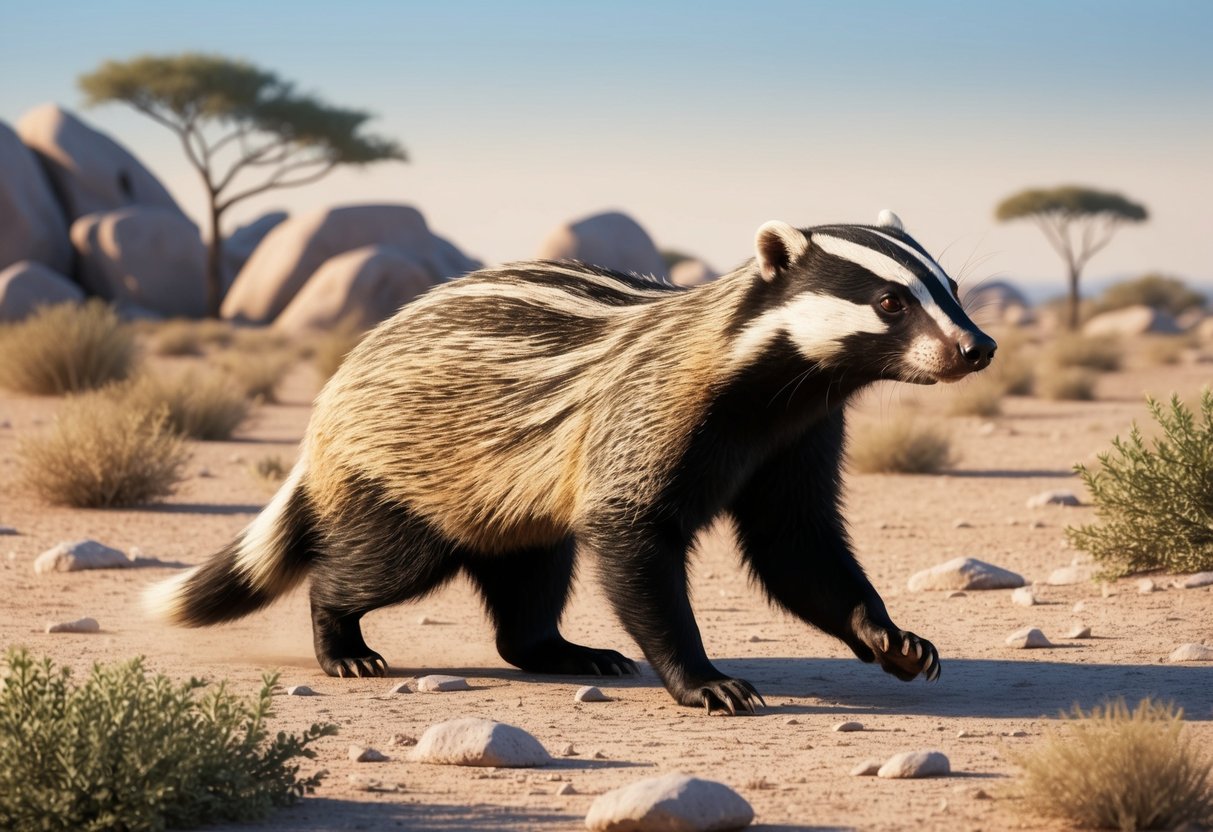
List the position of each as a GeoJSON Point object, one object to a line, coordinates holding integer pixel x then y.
{"type": "Point", "coordinates": [78, 556]}
{"type": "Point", "coordinates": [80, 625]}
{"type": "Point", "coordinates": [479, 742]}
{"type": "Point", "coordinates": [845, 727]}
{"type": "Point", "coordinates": [589, 693]}
{"type": "Point", "coordinates": [964, 573]}
{"type": "Point", "coordinates": [1024, 597]}
{"type": "Point", "coordinates": [1191, 653]}
{"type": "Point", "coordinates": [366, 754]}
{"type": "Point", "coordinates": [442, 684]}
{"type": "Point", "coordinates": [914, 764]}
{"type": "Point", "coordinates": [300, 690]}
{"type": "Point", "coordinates": [1028, 638]}
{"type": "Point", "coordinates": [1053, 498]}
{"type": "Point", "coordinates": [671, 803]}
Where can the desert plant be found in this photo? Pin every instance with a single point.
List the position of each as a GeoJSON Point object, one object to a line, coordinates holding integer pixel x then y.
{"type": "Point", "coordinates": [900, 447]}
{"type": "Point", "coordinates": [1155, 501]}
{"type": "Point", "coordinates": [1102, 353]}
{"type": "Point", "coordinates": [332, 348]}
{"type": "Point", "coordinates": [1066, 384]}
{"type": "Point", "coordinates": [207, 405]}
{"type": "Point", "coordinates": [101, 452]}
{"type": "Point", "coordinates": [270, 469]}
{"type": "Point", "coordinates": [1169, 294]}
{"type": "Point", "coordinates": [981, 396]}
{"type": "Point", "coordinates": [177, 337]}
{"type": "Point", "coordinates": [66, 348]}
{"type": "Point", "coordinates": [1114, 768]}
{"type": "Point", "coordinates": [257, 373]}
{"type": "Point", "coordinates": [1166, 349]}
{"type": "Point", "coordinates": [127, 751]}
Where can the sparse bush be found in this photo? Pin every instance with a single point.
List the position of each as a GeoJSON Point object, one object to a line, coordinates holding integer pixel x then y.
{"type": "Point", "coordinates": [1169, 294]}
{"type": "Point", "coordinates": [260, 339]}
{"type": "Point", "coordinates": [128, 751]}
{"type": "Point", "coordinates": [981, 396]}
{"type": "Point", "coordinates": [206, 406]}
{"type": "Point", "coordinates": [258, 374]}
{"type": "Point", "coordinates": [332, 349]}
{"type": "Point", "coordinates": [900, 447]}
{"type": "Point", "coordinates": [1067, 384]}
{"type": "Point", "coordinates": [270, 469]}
{"type": "Point", "coordinates": [1166, 349]}
{"type": "Point", "coordinates": [1102, 353]}
{"type": "Point", "coordinates": [178, 337]}
{"type": "Point", "coordinates": [1114, 768]}
{"type": "Point", "coordinates": [67, 348]}
{"type": "Point", "coordinates": [1155, 502]}
{"type": "Point", "coordinates": [101, 452]}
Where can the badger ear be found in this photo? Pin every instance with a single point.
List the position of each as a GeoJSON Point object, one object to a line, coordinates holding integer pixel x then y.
{"type": "Point", "coordinates": [888, 219]}
{"type": "Point", "coordinates": [777, 246]}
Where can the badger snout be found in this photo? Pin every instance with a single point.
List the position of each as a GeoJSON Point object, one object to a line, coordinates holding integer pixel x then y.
{"type": "Point", "coordinates": [976, 350]}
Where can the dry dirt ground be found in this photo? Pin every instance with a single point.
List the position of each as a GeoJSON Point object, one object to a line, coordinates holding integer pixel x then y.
{"type": "Point", "coordinates": [786, 760]}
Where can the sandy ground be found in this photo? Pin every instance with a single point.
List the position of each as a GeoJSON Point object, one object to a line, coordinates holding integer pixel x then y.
{"type": "Point", "coordinates": [786, 760]}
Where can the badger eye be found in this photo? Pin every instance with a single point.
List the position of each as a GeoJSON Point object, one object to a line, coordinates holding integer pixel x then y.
{"type": "Point", "coordinates": [891, 304]}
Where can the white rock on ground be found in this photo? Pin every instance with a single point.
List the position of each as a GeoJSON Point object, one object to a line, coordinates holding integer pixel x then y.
{"type": "Point", "coordinates": [366, 754]}
{"type": "Point", "coordinates": [915, 764]}
{"type": "Point", "coordinates": [1028, 638]}
{"type": "Point", "coordinates": [612, 240]}
{"type": "Point", "coordinates": [590, 693]}
{"type": "Point", "coordinates": [845, 727]}
{"type": "Point", "coordinates": [1191, 653]}
{"type": "Point", "coordinates": [80, 625]}
{"type": "Point", "coordinates": [441, 684]}
{"type": "Point", "coordinates": [1145, 586]}
{"type": "Point", "coordinates": [867, 768]}
{"type": "Point", "coordinates": [78, 556]}
{"type": "Point", "coordinates": [671, 803]}
{"type": "Point", "coordinates": [300, 690]}
{"type": "Point", "coordinates": [1196, 581]}
{"type": "Point", "coordinates": [1079, 631]}
{"type": "Point", "coordinates": [479, 742]}
{"type": "Point", "coordinates": [34, 227]}
{"type": "Point", "coordinates": [965, 573]}
{"type": "Point", "coordinates": [1074, 574]}
{"type": "Point", "coordinates": [26, 285]}
{"type": "Point", "coordinates": [1024, 597]}
{"type": "Point", "coordinates": [1053, 498]}
{"type": "Point", "coordinates": [400, 687]}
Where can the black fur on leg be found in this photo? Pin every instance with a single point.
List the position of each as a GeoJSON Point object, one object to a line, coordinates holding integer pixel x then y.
{"type": "Point", "coordinates": [525, 593]}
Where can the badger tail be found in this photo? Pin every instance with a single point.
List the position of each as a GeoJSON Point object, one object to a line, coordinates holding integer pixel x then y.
{"type": "Point", "coordinates": [265, 560]}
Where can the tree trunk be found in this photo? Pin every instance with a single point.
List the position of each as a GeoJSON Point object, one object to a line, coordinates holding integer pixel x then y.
{"type": "Point", "coordinates": [214, 265]}
{"type": "Point", "coordinates": [1073, 298]}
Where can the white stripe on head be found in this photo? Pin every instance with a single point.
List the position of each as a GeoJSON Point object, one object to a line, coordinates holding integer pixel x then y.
{"type": "Point", "coordinates": [816, 325]}
{"type": "Point", "coordinates": [887, 268]}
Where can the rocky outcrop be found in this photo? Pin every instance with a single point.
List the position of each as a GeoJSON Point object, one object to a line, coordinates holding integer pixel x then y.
{"type": "Point", "coordinates": [27, 285]}
{"type": "Point", "coordinates": [692, 272]}
{"type": "Point", "coordinates": [998, 302]}
{"type": "Point", "coordinates": [239, 246]}
{"type": "Point", "coordinates": [611, 240]}
{"type": "Point", "coordinates": [32, 226]}
{"type": "Point", "coordinates": [1132, 320]}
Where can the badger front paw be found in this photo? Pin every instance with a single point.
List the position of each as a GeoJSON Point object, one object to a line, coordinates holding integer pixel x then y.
{"type": "Point", "coordinates": [900, 652]}
{"type": "Point", "coordinates": [724, 694]}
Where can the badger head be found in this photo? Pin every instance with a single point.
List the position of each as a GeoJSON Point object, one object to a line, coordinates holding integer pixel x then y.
{"type": "Point", "coordinates": [867, 298]}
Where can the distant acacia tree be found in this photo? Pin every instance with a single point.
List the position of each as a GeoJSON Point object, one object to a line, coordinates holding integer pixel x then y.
{"type": "Point", "coordinates": [1078, 222]}
{"type": "Point", "coordinates": [237, 121]}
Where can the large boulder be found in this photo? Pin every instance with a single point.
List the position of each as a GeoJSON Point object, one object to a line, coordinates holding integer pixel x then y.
{"type": "Point", "coordinates": [32, 226]}
{"type": "Point", "coordinates": [998, 302]}
{"type": "Point", "coordinates": [239, 246]}
{"type": "Point", "coordinates": [292, 252]}
{"type": "Point", "coordinates": [611, 240]}
{"type": "Point", "coordinates": [359, 288]}
{"type": "Point", "coordinates": [1132, 320]}
{"type": "Point", "coordinates": [89, 171]}
{"type": "Point", "coordinates": [692, 272]}
{"type": "Point", "coordinates": [145, 257]}
{"type": "Point", "coordinates": [27, 285]}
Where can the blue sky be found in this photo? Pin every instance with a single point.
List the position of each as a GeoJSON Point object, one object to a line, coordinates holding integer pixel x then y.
{"type": "Point", "coordinates": [705, 119]}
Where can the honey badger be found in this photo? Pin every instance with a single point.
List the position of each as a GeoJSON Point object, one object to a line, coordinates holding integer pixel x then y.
{"type": "Point", "coordinates": [508, 419]}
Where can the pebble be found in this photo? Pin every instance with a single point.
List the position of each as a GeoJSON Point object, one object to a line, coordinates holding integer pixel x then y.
{"type": "Point", "coordinates": [1196, 581]}
{"type": "Point", "coordinates": [1145, 586]}
{"type": "Point", "coordinates": [568, 751]}
{"type": "Point", "coordinates": [791, 721]}
{"type": "Point", "coordinates": [1028, 638]}
{"type": "Point", "coordinates": [590, 693]}
{"type": "Point", "coordinates": [962, 524]}
{"type": "Point", "coordinates": [80, 625]}
{"type": "Point", "coordinates": [956, 593]}
{"type": "Point", "coordinates": [1072, 574]}
{"type": "Point", "coordinates": [479, 742]}
{"type": "Point", "coordinates": [426, 621]}
{"type": "Point", "coordinates": [846, 727]}
{"type": "Point", "coordinates": [962, 734]}
{"type": "Point", "coordinates": [598, 755]}
{"type": "Point", "coordinates": [1053, 498]}
{"type": "Point", "coordinates": [204, 473]}
{"type": "Point", "coordinates": [867, 768]}
{"type": "Point", "coordinates": [1191, 653]}
{"type": "Point", "coordinates": [914, 764]}
{"type": "Point", "coordinates": [1079, 631]}
{"type": "Point", "coordinates": [300, 690]}
{"type": "Point", "coordinates": [1037, 524]}
{"type": "Point", "coordinates": [7, 530]}
{"type": "Point", "coordinates": [566, 788]}
{"type": "Point", "coordinates": [1024, 597]}
{"type": "Point", "coordinates": [442, 684]}
{"type": "Point", "coordinates": [672, 802]}
{"type": "Point", "coordinates": [964, 573]}
{"type": "Point", "coordinates": [401, 687]}
{"type": "Point", "coordinates": [366, 754]}
{"type": "Point", "coordinates": [83, 554]}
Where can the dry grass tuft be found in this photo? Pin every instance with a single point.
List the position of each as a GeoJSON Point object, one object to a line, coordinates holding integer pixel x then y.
{"type": "Point", "coordinates": [207, 405]}
{"type": "Point", "coordinates": [102, 452]}
{"type": "Point", "coordinates": [1166, 350]}
{"type": "Point", "coordinates": [900, 448]}
{"type": "Point", "coordinates": [332, 349]}
{"type": "Point", "coordinates": [186, 337]}
{"type": "Point", "coordinates": [1102, 353]}
{"type": "Point", "coordinates": [270, 469]}
{"type": "Point", "coordinates": [981, 396]}
{"type": "Point", "coordinates": [1067, 384]}
{"type": "Point", "coordinates": [1114, 768]}
{"type": "Point", "coordinates": [67, 348]}
{"type": "Point", "coordinates": [258, 374]}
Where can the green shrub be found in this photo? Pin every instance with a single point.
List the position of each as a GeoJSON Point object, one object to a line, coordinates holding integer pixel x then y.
{"type": "Point", "coordinates": [101, 452]}
{"type": "Point", "coordinates": [1102, 352]}
{"type": "Point", "coordinates": [206, 406]}
{"type": "Point", "coordinates": [1166, 293]}
{"type": "Point", "coordinates": [1119, 769]}
{"type": "Point", "coordinates": [981, 396]}
{"type": "Point", "coordinates": [67, 348]}
{"type": "Point", "coordinates": [1155, 502]}
{"type": "Point", "coordinates": [1066, 384]}
{"type": "Point", "coordinates": [900, 447]}
{"type": "Point", "coordinates": [125, 751]}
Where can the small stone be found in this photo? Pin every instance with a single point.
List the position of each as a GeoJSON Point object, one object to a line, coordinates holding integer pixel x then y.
{"type": "Point", "coordinates": [1028, 638]}
{"type": "Point", "coordinates": [401, 687]}
{"type": "Point", "coordinates": [1145, 586]}
{"type": "Point", "coordinates": [956, 593]}
{"type": "Point", "coordinates": [962, 524]}
{"type": "Point", "coordinates": [754, 639]}
{"type": "Point", "coordinates": [441, 684]}
{"type": "Point", "coordinates": [1053, 498]}
{"type": "Point", "coordinates": [1037, 524]}
{"type": "Point", "coordinates": [300, 690]}
{"type": "Point", "coordinates": [598, 755]}
{"type": "Point", "coordinates": [1191, 653]}
{"type": "Point", "coordinates": [980, 794]}
{"type": "Point", "coordinates": [366, 754]}
{"type": "Point", "coordinates": [964, 573]}
{"type": "Point", "coordinates": [1196, 581]}
{"type": "Point", "coordinates": [1018, 734]}
{"type": "Point", "coordinates": [83, 554]}
{"type": "Point", "coordinates": [80, 625]}
{"type": "Point", "coordinates": [672, 802]}
{"type": "Point", "coordinates": [426, 621]}
{"type": "Point", "coordinates": [479, 742]}
{"type": "Point", "coordinates": [915, 764]}
{"type": "Point", "coordinates": [1079, 631]}
{"type": "Point", "coordinates": [568, 751]}
{"type": "Point", "coordinates": [204, 473]}
{"type": "Point", "coordinates": [7, 530]}
{"type": "Point", "coordinates": [590, 693]}
{"type": "Point", "coordinates": [403, 740]}
{"type": "Point", "coordinates": [1073, 574]}
{"type": "Point", "coordinates": [867, 768]}
{"type": "Point", "coordinates": [846, 727]}
{"type": "Point", "coordinates": [962, 734]}
{"type": "Point", "coordinates": [566, 788]}
{"type": "Point", "coordinates": [1024, 597]}
{"type": "Point", "coordinates": [791, 721]}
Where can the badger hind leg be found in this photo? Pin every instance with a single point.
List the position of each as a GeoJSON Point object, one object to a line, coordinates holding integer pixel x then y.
{"type": "Point", "coordinates": [525, 594]}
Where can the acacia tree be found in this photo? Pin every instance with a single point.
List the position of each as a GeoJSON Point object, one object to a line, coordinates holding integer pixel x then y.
{"type": "Point", "coordinates": [1078, 222]}
{"type": "Point", "coordinates": [245, 130]}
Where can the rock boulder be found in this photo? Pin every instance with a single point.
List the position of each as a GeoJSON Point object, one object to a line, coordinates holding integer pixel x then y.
{"type": "Point", "coordinates": [611, 240]}
{"type": "Point", "coordinates": [32, 225]}
{"type": "Point", "coordinates": [239, 246]}
{"type": "Point", "coordinates": [27, 285]}
{"type": "Point", "coordinates": [1132, 320]}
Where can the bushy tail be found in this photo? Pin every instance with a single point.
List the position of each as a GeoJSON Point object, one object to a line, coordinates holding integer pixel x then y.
{"type": "Point", "coordinates": [265, 560]}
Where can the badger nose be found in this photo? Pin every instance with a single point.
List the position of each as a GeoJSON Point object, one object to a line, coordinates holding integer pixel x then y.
{"type": "Point", "coordinates": [977, 348]}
